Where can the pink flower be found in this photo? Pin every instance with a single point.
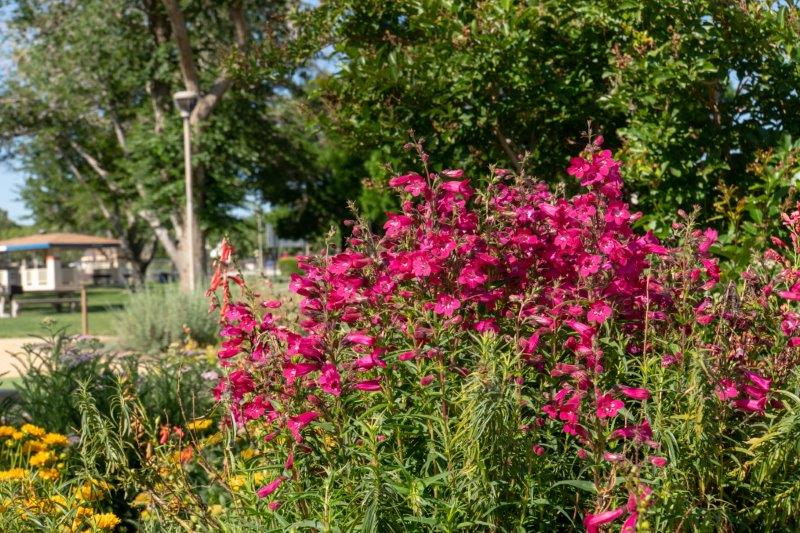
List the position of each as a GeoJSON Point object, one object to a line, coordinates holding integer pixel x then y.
{"type": "Point", "coordinates": [426, 380]}
{"type": "Point", "coordinates": [634, 393]}
{"type": "Point", "coordinates": [446, 305]}
{"type": "Point", "coordinates": [762, 384]}
{"type": "Point", "coordinates": [598, 312]}
{"type": "Point", "coordinates": [274, 505]}
{"type": "Point", "coordinates": [241, 383]}
{"type": "Point", "coordinates": [594, 521]}
{"type": "Point", "coordinates": [369, 385]}
{"type": "Point", "coordinates": [726, 390]}
{"type": "Point", "coordinates": [368, 362]}
{"type": "Point", "coordinates": [359, 337]}
{"type": "Point", "coordinates": [292, 371]}
{"type": "Point", "coordinates": [454, 174]}
{"type": "Point", "coordinates": [271, 487]}
{"type": "Point", "coordinates": [297, 423]}
{"type": "Point", "coordinates": [330, 381]}
{"type": "Point", "coordinates": [407, 356]}
{"type": "Point", "coordinates": [629, 526]}
{"type": "Point", "coordinates": [607, 406]}
{"type": "Point", "coordinates": [538, 449]}
{"type": "Point", "coordinates": [658, 462]}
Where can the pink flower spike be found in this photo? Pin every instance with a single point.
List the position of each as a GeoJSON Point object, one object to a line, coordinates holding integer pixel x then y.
{"type": "Point", "coordinates": [634, 393]}
{"type": "Point", "coordinates": [658, 462]}
{"type": "Point", "coordinates": [274, 505]}
{"type": "Point", "coordinates": [271, 487]}
{"type": "Point", "coordinates": [426, 380]}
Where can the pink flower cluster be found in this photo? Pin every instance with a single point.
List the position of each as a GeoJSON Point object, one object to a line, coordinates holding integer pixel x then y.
{"type": "Point", "coordinates": [546, 272]}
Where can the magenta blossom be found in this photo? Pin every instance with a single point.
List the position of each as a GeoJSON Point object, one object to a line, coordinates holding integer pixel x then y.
{"type": "Point", "coordinates": [607, 406]}
{"type": "Point", "coordinates": [634, 393]}
{"type": "Point", "coordinates": [297, 423]}
{"type": "Point", "coordinates": [594, 521]}
{"type": "Point", "coordinates": [330, 381]}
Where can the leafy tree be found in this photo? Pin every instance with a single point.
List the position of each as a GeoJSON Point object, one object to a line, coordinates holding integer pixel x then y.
{"type": "Point", "coordinates": [88, 109]}
{"type": "Point", "coordinates": [689, 92]}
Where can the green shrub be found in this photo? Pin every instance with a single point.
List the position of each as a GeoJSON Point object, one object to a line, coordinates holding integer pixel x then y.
{"type": "Point", "coordinates": [155, 318]}
{"type": "Point", "coordinates": [288, 266]}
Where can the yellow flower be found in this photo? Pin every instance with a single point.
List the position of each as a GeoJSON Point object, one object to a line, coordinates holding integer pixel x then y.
{"type": "Point", "coordinates": [30, 429]}
{"type": "Point", "coordinates": [199, 424]}
{"type": "Point", "coordinates": [259, 477]}
{"type": "Point", "coordinates": [237, 482]}
{"type": "Point", "coordinates": [7, 431]}
{"type": "Point", "coordinates": [12, 474]}
{"type": "Point", "coordinates": [58, 499]}
{"type": "Point", "coordinates": [92, 490]}
{"type": "Point", "coordinates": [33, 446]}
{"type": "Point", "coordinates": [328, 442]}
{"type": "Point", "coordinates": [249, 453]}
{"type": "Point", "coordinates": [105, 521]}
{"type": "Point", "coordinates": [55, 439]}
{"type": "Point", "coordinates": [42, 458]}
{"type": "Point", "coordinates": [82, 511]}
{"type": "Point", "coordinates": [18, 435]}
{"type": "Point", "coordinates": [50, 474]}
{"type": "Point", "coordinates": [216, 509]}
{"type": "Point", "coordinates": [141, 500]}
{"type": "Point", "coordinates": [216, 438]}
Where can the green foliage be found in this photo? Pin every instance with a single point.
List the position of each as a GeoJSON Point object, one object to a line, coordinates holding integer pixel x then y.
{"type": "Point", "coordinates": [288, 266]}
{"type": "Point", "coordinates": [156, 317]}
{"type": "Point", "coordinates": [752, 216]}
{"type": "Point", "coordinates": [690, 92]}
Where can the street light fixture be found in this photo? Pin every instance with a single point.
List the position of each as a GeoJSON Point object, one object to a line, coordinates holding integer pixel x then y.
{"type": "Point", "coordinates": [185, 101]}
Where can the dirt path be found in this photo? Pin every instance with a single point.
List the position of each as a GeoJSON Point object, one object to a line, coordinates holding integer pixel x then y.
{"type": "Point", "coordinates": [14, 345]}
{"type": "Point", "coordinates": [7, 347]}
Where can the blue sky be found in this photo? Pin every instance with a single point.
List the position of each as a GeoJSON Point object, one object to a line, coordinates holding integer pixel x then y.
{"type": "Point", "coordinates": [10, 180]}
{"type": "Point", "coordinates": [10, 183]}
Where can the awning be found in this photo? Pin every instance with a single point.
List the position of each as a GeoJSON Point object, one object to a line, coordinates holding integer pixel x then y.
{"type": "Point", "coordinates": [45, 241]}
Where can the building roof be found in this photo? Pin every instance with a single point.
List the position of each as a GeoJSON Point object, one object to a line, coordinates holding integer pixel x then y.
{"type": "Point", "coordinates": [45, 241]}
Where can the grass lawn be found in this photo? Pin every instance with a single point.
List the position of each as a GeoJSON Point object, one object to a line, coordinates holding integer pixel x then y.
{"type": "Point", "coordinates": [104, 304]}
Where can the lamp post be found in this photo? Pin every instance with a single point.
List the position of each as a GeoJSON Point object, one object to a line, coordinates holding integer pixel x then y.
{"type": "Point", "coordinates": [185, 102]}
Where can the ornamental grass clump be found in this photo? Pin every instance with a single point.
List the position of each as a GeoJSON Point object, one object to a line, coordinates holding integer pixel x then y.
{"type": "Point", "coordinates": [506, 356]}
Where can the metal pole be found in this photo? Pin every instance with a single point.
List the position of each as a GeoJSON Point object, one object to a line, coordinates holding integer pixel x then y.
{"type": "Point", "coordinates": [187, 161]}
{"type": "Point", "coordinates": [260, 242]}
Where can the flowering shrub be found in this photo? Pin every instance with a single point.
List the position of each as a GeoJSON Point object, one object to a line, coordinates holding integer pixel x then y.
{"type": "Point", "coordinates": [32, 491]}
{"type": "Point", "coordinates": [496, 348]}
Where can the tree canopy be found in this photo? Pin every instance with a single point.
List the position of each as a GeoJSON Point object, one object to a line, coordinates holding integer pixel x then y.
{"type": "Point", "coordinates": [689, 92]}
{"type": "Point", "coordinates": [88, 110]}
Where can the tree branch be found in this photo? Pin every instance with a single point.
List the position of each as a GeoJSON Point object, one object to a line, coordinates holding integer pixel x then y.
{"type": "Point", "coordinates": [162, 234]}
{"type": "Point", "coordinates": [506, 146]}
{"type": "Point", "coordinates": [185, 56]}
{"type": "Point", "coordinates": [241, 32]}
{"type": "Point", "coordinates": [96, 166]}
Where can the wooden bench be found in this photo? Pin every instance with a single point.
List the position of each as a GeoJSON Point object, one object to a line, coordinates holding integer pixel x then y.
{"type": "Point", "coordinates": [56, 301]}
